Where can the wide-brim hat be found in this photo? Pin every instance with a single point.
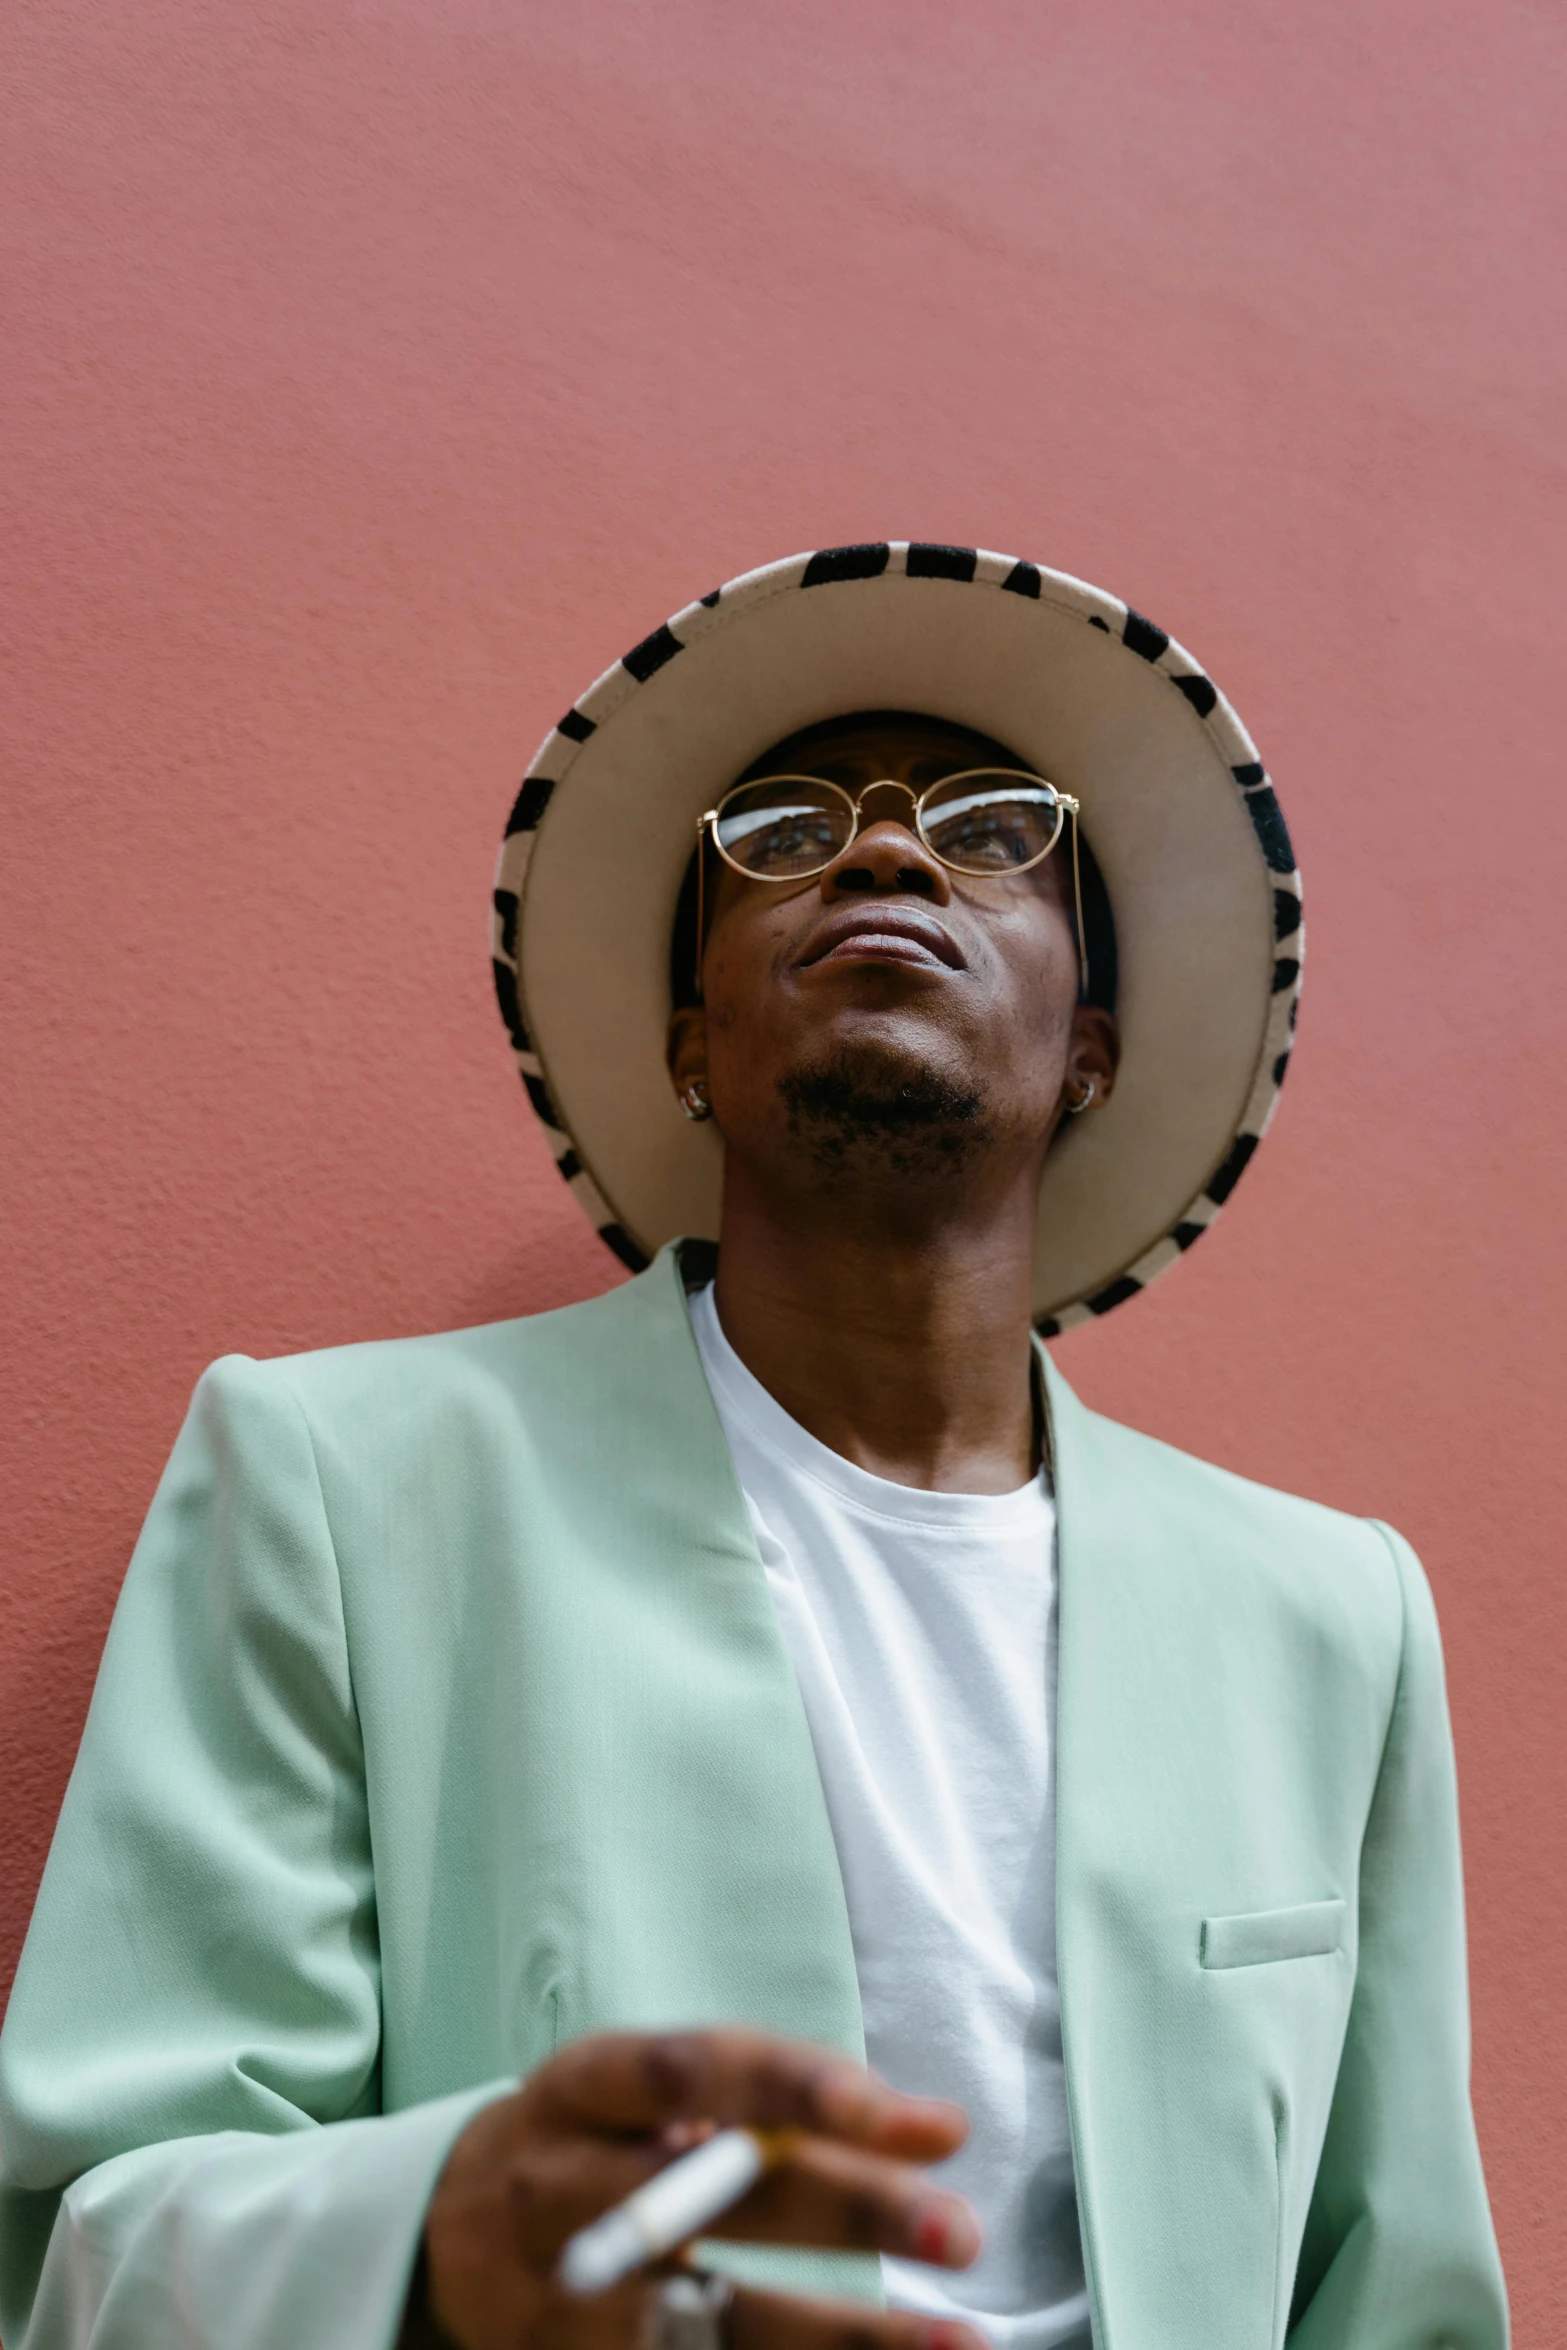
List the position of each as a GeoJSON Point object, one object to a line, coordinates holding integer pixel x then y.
{"type": "Point", "coordinates": [1175, 805]}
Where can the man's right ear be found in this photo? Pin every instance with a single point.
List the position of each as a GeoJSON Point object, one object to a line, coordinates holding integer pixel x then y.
{"type": "Point", "coordinates": [686, 1050]}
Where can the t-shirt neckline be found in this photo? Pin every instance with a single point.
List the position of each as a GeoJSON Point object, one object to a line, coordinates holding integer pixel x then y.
{"type": "Point", "coordinates": [803, 1454]}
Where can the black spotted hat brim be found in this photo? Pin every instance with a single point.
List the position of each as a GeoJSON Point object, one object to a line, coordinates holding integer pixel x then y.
{"type": "Point", "coordinates": [1182, 817]}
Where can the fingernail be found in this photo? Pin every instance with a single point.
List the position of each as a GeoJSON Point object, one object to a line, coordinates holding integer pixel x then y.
{"type": "Point", "coordinates": [931, 2232]}
{"type": "Point", "coordinates": [947, 2233]}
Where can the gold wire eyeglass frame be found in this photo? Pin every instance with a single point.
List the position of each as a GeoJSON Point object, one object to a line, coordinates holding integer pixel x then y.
{"type": "Point", "coordinates": [1064, 804]}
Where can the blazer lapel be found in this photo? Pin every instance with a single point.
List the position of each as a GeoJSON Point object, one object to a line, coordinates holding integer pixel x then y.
{"type": "Point", "coordinates": [707, 1861]}
{"type": "Point", "coordinates": [1112, 1706]}
{"type": "Point", "coordinates": [700, 1723]}
{"type": "Point", "coordinates": [1170, 1796]}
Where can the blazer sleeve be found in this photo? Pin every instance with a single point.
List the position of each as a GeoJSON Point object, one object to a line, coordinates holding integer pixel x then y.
{"type": "Point", "coordinates": [191, 2141]}
{"type": "Point", "coordinates": [1399, 2252]}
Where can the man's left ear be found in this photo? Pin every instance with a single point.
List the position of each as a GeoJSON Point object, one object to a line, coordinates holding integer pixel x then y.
{"type": "Point", "coordinates": [1093, 1057]}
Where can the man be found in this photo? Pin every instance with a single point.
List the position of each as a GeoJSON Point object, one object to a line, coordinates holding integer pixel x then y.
{"type": "Point", "coordinates": [520, 1750]}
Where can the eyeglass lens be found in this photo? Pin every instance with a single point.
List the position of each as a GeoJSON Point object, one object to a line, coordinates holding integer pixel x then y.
{"type": "Point", "coordinates": [986, 822]}
{"type": "Point", "coordinates": [990, 823]}
{"type": "Point", "coordinates": [788, 827]}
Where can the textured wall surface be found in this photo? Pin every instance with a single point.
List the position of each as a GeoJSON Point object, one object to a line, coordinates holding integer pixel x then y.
{"type": "Point", "coordinates": [380, 369]}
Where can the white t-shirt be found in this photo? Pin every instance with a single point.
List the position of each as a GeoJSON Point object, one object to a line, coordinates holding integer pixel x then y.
{"type": "Point", "coordinates": [922, 1630]}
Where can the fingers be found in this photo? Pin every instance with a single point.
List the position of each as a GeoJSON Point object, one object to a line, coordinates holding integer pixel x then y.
{"type": "Point", "coordinates": [782, 2321]}
{"type": "Point", "coordinates": [638, 2081]}
{"type": "Point", "coordinates": [918, 2129]}
{"type": "Point", "coordinates": [511, 2190]}
{"type": "Point", "coordinates": [556, 2187]}
{"type": "Point", "coordinates": [850, 2199]}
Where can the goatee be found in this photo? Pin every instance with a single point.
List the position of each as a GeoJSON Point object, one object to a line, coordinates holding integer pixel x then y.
{"type": "Point", "coordinates": [875, 1111]}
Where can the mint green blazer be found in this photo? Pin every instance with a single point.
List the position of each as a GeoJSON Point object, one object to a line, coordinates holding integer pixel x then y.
{"type": "Point", "coordinates": [445, 1717]}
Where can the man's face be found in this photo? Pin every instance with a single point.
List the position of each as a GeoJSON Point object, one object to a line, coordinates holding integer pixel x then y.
{"type": "Point", "coordinates": [889, 1018]}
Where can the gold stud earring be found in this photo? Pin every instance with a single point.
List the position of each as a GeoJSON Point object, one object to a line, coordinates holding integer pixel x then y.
{"type": "Point", "coordinates": [694, 1101]}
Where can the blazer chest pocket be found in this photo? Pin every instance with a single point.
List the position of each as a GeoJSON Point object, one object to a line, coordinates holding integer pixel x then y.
{"type": "Point", "coordinates": [1258, 1937]}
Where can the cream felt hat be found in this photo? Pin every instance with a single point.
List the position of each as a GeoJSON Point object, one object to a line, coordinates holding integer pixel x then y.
{"type": "Point", "coordinates": [1175, 805]}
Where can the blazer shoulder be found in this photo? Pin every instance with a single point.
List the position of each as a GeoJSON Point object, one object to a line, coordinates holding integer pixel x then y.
{"type": "Point", "coordinates": [1226, 1495]}
{"type": "Point", "coordinates": [1346, 1576]}
{"type": "Point", "coordinates": [373, 1375]}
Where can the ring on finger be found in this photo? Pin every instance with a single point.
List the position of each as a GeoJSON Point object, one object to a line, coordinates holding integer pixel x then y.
{"type": "Point", "coordinates": [690, 2312]}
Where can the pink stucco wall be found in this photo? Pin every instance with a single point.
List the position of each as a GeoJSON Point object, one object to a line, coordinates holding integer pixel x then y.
{"type": "Point", "coordinates": [379, 369]}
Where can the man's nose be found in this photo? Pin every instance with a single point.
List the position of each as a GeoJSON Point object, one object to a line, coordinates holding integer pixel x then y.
{"type": "Point", "coordinates": [887, 856]}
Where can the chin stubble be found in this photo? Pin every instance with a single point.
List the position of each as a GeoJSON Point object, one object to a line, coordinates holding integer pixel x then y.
{"type": "Point", "coordinates": [862, 1113]}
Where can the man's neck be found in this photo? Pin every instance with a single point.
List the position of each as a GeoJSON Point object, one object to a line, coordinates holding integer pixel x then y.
{"type": "Point", "coordinates": [905, 1349]}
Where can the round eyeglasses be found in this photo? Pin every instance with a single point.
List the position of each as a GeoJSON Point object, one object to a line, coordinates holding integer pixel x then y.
{"type": "Point", "coordinates": [987, 822]}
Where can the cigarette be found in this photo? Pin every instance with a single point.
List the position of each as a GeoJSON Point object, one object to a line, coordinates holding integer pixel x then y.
{"type": "Point", "coordinates": [675, 2205]}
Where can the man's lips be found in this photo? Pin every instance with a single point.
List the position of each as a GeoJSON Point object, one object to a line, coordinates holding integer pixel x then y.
{"type": "Point", "coordinates": [881, 934]}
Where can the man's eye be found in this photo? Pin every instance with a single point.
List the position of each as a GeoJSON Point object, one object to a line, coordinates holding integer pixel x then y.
{"type": "Point", "coordinates": [988, 839]}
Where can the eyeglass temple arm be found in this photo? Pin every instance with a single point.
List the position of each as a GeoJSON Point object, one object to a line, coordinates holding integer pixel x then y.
{"type": "Point", "coordinates": [1077, 898]}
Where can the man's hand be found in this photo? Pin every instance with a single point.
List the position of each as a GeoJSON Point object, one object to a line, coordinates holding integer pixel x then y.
{"type": "Point", "coordinates": [605, 2114]}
